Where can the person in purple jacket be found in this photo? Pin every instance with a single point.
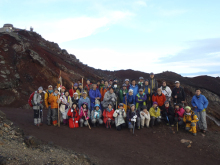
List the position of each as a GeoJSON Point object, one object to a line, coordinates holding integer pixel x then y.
{"type": "Point", "coordinates": [140, 99]}
{"type": "Point", "coordinates": [200, 103]}
{"type": "Point", "coordinates": [94, 95]}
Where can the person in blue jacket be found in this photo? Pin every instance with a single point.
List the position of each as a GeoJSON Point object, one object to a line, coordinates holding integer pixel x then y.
{"type": "Point", "coordinates": [94, 95]}
{"type": "Point", "coordinates": [134, 87]}
{"type": "Point", "coordinates": [129, 97]}
{"type": "Point", "coordinates": [83, 99]}
{"type": "Point", "coordinates": [200, 103]}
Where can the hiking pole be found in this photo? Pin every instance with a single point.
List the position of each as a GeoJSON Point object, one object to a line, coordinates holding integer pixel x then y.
{"type": "Point", "coordinates": [177, 126]}
{"type": "Point", "coordinates": [58, 112]}
{"type": "Point", "coordinates": [38, 119]}
{"type": "Point", "coordinates": [86, 119]}
{"type": "Point", "coordinates": [133, 127]}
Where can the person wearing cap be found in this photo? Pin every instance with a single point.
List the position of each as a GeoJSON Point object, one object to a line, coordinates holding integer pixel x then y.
{"type": "Point", "coordinates": [96, 116]}
{"type": "Point", "coordinates": [133, 115]}
{"type": "Point", "coordinates": [75, 89]}
{"type": "Point", "coordinates": [95, 96]}
{"type": "Point", "coordinates": [73, 114]}
{"type": "Point", "coordinates": [179, 112]}
{"type": "Point", "coordinates": [47, 104]}
{"type": "Point", "coordinates": [166, 91]}
{"type": "Point", "coordinates": [134, 87]}
{"type": "Point", "coordinates": [75, 98]}
{"type": "Point", "coordinates": [108, 116]}
{"type": "Point", "coordinates": [141, 83]}
{"type": "Point", "coordinates": [129, 99]}
{"type": "Point", "coordinates": [190, 119]}
{"type": "Point", "coordinates": [122, 92]}
{"type": "Point", "coordinates": [200, 103]}
{"type": "Point", "coordinates": [37, 106]}
{"type": "Point", "coordinates": [178, 94]}
{"type": "Point", "coordinates": [80, 90]}
{"type": "Point", "coordinates": [155, 117]}
{"type": "Point", "coordinates": [148, 92]}
{"type": "Point", "coordinates": [84, 115]}
{"type": "Point", "coordinates": [66, 104]}
{"type": "Point", "coordinates": [103, 90]}
{"type": "Point", "coordinates": [145, 117]}
{"type": "Point", "coordinates": [88, 85]}
{"type": "Point", "coordinates": [109, 97]}
{"type": "Point", "coordinates": [54, 101]}
{"type": "Point", "coordinates": [127, 83]}
{"type": "Point", "coordinates": [168, 113]}
{"type": "Point", "coordinates": [159, 97]}
{"type": "Point", "coordinates": [140, 99]}
{"type": "Point", "coordinates": [153, 83]}
{"type": "Point", "coordinates": [110, 83]}
{"type": "Point", "coordinates": [84, 99]}
{"type": "Point", "coordinates": [119, 116]}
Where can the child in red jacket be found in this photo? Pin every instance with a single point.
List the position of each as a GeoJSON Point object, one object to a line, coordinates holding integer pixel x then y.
{"type": "Point", "coordinates": [108, 116]}
{"type": "Point", "coordinates": [73, 116]}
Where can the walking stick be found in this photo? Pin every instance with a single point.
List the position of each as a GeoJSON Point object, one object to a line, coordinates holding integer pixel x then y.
{"type": "Point", "coordinates": [39, 119]}
{"type": "Point", "coordinates": [58, 112]}
{"type": "Point", "coordinates": [177, 126]}
{"type": "Point", "coordinates": [86, 119]}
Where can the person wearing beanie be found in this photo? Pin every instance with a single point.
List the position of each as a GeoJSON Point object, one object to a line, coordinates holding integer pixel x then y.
{"type": "Point", "coordinates": [66, 104]}
{"type": "Point", "coordinates": [95, 96]}
{"type": "Point", "coordinates": [200, 103]}
{"type": "Point", "coordinates": [103, 90]}
{"type": "Point", "coordinates": [166, 91]}
{"type": "Point", "coordinates": [190, 119]}
{"type": "Point", "coordinates": [140, 99]}
{"type": "Point", "coordinates": [145, 117]}
{"type": "Point", "coordinates": [119, 116]}
{"type": "Point", "coordinates": [148, 92]}
{"type": "Point", "coordinates": [47, 104]}
{"type": "Point", "coordinates": [133, 115]}
{"type": "Point", "coordinates": [108, 118]}
{"type": "Point", "coordinates": [54, 101]}
{"type": "Point", "coordinates": [141, 83]}
{"type": "Point", "coordinates": [153, 83]}
{"type": "Point", "coordinates": [168, 113]}
{"type": "Point", "coordinates": [84, 115]}
{"type": "Point", "coordinates": [123, 91]}
{"type": "Point", "coordinates": [73, 114]}
{"type": "Point", "coordinates": [179, 112]}
{"type": "Point", "coordinates": [159, 97]}
{"type": "Point", "coordinates": [96, 116]}
{"type": "Point", "coordinates": [178, 94]}
{"type": "Point", "coordinates": [83, 99]}
{"type": "Point", "coordinates": [75, 98]}
{"type": "Point", "coordinates": [37, 106]}
{"type": "Point", "coordinates": [154, 114]}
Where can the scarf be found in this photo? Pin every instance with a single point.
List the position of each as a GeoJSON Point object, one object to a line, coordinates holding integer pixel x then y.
{"type": "Point", "coordinates": [50, 91]}
{"type": "Point", "coordinates": [96, 114]}
{"type": "Point", "coordinates": [109, 110]}
{"type": "Point", "coordinates": [55, 94]}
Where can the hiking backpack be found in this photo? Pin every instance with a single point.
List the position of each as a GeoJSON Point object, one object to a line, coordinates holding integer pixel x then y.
{"type": "Point", "coordinates": [30, 99]}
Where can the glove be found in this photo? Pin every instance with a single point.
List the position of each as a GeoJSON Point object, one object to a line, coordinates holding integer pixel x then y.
{"type": "Point", "coordinates": [187, 121]}
{"type": "Point", "coordinates": [134, 120]}
{"type": "Point", "coordinates": [159, 117]}
{"type": "Point", "coordinates": [87, 118]}
{"type": "Point", "coordinates": [135, 116]}
{"type": "Point", "coordinates": [113, 99]}
{"type": "Point", "coordinates": [71, 110]}
{"type": "Point", "coordinates": [76, 121]}
{"type": "Point", "coordinates": [117, 111]}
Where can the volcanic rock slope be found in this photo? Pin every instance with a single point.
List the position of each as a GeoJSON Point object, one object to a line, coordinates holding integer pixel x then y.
{"type": "Point", "coordinates": [28, 61]}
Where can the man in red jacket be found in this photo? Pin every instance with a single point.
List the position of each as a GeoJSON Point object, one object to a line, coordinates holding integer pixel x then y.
{"type": "Point", "coordinates": [159, 97]}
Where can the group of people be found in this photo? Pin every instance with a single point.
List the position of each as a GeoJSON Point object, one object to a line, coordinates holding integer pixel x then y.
{"type": "Point", "coordinates": [134, 105]}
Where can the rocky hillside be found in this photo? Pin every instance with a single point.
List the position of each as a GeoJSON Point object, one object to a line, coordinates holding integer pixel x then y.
{"type": "Point", "coordinates": [28, 61]}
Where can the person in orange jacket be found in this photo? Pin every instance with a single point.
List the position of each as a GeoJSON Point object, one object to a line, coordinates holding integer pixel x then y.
{"type": "Point", "coordinates": [190, 119]}
{"type": "Point", "coordinates": [159, 97]}
{"type": "Point", "coordinates": [73, 113]}
{"type": "Point", "coordinates": [54, 101]}
{"type": "Point", "coordinates": [103, 90]}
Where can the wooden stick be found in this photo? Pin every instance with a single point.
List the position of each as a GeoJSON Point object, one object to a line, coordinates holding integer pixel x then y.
{"type": "Point", "coordinates": [82, 81]}
{"type": "Point", "coordinates": [86, 119]}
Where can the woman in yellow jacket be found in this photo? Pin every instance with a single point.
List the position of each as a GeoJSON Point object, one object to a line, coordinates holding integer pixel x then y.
{"type": "Point", "coordinates": [190, 119]}
{"type": "Point", "coordinates": [154, 114]}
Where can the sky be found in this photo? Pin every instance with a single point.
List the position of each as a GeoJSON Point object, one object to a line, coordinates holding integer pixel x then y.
{"type": "Point", "coordinates": [182, 36]}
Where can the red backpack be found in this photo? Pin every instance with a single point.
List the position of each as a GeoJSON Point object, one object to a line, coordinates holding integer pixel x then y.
{"type": "Point", "coordinates": [30, 99]}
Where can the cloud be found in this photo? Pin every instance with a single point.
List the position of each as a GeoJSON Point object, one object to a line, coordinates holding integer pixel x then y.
{"type": "Point", "coordinates": [169, 13]}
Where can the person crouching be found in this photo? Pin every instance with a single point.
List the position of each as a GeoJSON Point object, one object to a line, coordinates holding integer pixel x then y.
{"type": "Point", "coordinates": [145, 117]}
{"type": "Point", "coordinates": [84, 115]}
{"type": "Point", "coordinates": [73, 116]}
{"type": "Point", "coordinates": [96, 116]}
{"type": "Point", "coordinates": [133, 117]}
{"type": "Point", "coordinates": [190, 119]}
{"type": "Point", "coordinates": [155, 114]}
{"type": "Point", "coordinates": [108, 116]}
{"type": "Point", "coordinates": [119, 115]}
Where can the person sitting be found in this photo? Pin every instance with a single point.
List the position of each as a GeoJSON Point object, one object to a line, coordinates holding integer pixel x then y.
{"type": "Point", "coordinates": [133, 117]}
{"type": "Point", "coordinates": [154, 114]}
{"type": "Point", "coordinates": [179, 112]}
{"type": "Point", "coordinates": [119, 116]}
{"type": "Point", "coordinates": [140, 99]}
{"type": "Point", "coordinates": [73, 116]}
{"type": "Point", "coordinates": [190, 119]}
{"type": "Point", "coordinates": [145, 117]}
{"type": "Point", "coordinates": [168, 113]}
{"type": "Point", "coordinates": [96, 116]}
{"type": "Point", "coordinates": [108, 116]}
{"type": "Point", "coordinates": [159, 97]}
{"type": "Point", "coordinates": [84, 115]}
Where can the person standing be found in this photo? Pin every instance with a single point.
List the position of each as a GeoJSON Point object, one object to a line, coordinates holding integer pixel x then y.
{"type": "Point", "coordinates": [159, 97]}
{"type": "Point", "coordinates": [88, 85]}
{"type": "Point", "coordinates": [127, 83]}
{"type": "Point", "coordinates": [123, 91]}
{"type": "Point", "coordinates": [178, 94]}
{"type": "Point", "coordinates": [134, 87]}
{"type": "Point", "coordinates": [54, 101]}
{"type": "Point", "coordinates": [148, 92]}
{"type": "Point", "coordinates": [103, 90]}
{"type": "Point", "coordinates": [153, 83]}
{"type": "Point", "coordinates": [47, 104]}
{"type": "Point", "coordinates": [141, 83]}
{"type": "Point", "coordinates": [37, 106]}
{"type": "Point", "coordinates": [95, 96]}
{"type": "Point", "coordinates": [166, 91]}
{"type": "Point", "coordinates": [109, 98]}
{"type": "Point", "coordinates": [200, 103]}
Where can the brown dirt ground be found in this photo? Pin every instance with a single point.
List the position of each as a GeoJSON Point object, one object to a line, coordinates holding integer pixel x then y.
{"type": "Point", "coordinates": [148, 146]}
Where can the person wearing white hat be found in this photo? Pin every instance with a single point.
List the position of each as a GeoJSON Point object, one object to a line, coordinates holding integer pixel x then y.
{"type": "Point", "coordinates": [178, 94]}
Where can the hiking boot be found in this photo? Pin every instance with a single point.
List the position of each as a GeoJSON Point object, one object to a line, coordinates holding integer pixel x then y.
{"type": "Point", "coordinates": [172, 125]}
{"type": "Point", "coordinates": [194, 134]}
{"type": "Point", "coordinates": [168, 124]}
{"type": "Point", "coordinates": [131, 130]}
{"type": "Point", "coordinates": [139, 128]}
{"type": "Point", "coordinates": [142, 126]}
{"type": "Point", "coordinates": [55, 124]}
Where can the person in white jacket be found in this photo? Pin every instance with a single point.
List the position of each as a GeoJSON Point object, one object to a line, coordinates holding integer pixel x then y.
{"type": "Point", "coordinates": [119, 115]}
{"type": "Point", "coordinates": [66, 104]}
{"type": "Point", "coordinates": [145, 117]}
{"type": "Point", "coordinates": [166, 91]}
